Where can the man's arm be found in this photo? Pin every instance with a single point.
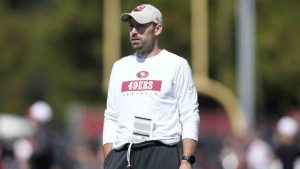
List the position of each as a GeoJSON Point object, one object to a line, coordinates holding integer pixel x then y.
{"type": "Point", "coordinates": [189, 147]}
{"type": "Point", "coordinates": [110, 116]}
{"type": "Point", "coordinates": [106, 149]}
{"type": "Point", "coordinates": [189, 112]}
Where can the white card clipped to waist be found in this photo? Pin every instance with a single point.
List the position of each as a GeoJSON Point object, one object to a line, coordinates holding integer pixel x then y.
{"type": "Point", "coordinates": [142, 129]}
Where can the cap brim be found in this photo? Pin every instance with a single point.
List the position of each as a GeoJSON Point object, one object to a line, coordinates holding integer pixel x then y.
{"type": "Point", "coordinates": [125, 17]}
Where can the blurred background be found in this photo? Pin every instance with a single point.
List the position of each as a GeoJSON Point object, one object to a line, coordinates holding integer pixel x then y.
{"type": "Point", "coordinates": [53, 55]}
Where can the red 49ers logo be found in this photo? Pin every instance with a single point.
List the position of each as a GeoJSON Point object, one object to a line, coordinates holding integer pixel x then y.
{"type": "Point", "coordinates": [142, 74]}
{"type": "Point", "coordinates": [141, 85]}
{"type": "Point", "coordinates": [139, 8]}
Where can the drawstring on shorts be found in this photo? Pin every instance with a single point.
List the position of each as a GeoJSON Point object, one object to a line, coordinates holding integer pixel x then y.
{"type": "Point", "coordinates": [131, 146]}
{"type": "Point", "coordinates": [128, 155]}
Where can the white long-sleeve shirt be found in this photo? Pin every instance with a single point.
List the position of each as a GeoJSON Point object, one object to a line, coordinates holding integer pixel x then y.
{"type": "Point", "coordinates": [159, 88]}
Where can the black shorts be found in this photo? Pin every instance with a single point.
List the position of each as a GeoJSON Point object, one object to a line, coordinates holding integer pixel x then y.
{"type": "Point", "coordinates": [146, 155]}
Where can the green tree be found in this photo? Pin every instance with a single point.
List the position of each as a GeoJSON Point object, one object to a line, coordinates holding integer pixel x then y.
{"type": "Point", "coordinates": [52, 53]}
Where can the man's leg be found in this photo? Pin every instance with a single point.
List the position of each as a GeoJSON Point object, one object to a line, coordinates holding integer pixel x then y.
{"type": "Point", "coordinates": [116, 160]}
{"type": "Point", "coordinates": [156, 157]}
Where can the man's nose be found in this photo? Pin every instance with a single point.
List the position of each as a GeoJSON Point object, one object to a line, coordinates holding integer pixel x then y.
{"type": "Point", "coordinates": [133, 30]}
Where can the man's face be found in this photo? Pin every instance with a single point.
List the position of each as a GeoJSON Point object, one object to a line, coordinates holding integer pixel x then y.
{"type": "Point", "coordinates": [141, 36]}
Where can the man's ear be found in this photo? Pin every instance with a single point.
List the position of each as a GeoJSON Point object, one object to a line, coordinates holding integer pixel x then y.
{"type": "Point", "coordinates": [158, 29]}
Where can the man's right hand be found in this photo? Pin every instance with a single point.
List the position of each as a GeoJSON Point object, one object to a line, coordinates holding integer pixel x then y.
{"type": "Point", "coordinates": [106, 149]}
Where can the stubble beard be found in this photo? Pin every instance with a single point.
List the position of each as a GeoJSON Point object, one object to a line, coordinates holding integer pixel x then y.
{"type": "Point", "coordinates": [143, 49]}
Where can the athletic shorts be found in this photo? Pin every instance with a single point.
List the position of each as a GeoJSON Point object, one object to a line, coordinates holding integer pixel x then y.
{"type": "Point", "coordinates": [146, 155]}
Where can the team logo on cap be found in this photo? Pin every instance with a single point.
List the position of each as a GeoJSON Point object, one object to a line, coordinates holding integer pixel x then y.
{"type": "Point", "coordinates": [139, 8]}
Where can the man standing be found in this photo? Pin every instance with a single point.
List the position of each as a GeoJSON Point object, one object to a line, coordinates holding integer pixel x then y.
{"type": "Point", "coordinates": [152, 102]}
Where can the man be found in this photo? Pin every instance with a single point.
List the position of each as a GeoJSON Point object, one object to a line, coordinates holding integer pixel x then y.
{"type": "Point", "coordinates": [287, 149]}
{"type": "Point", "coordinates": [152, 102]}
{"type": "Point", "coordinates": [40, 113]}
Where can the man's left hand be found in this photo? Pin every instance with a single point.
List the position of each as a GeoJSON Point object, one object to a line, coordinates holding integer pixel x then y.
{"type": "Point", "coordinates": [185, 165]}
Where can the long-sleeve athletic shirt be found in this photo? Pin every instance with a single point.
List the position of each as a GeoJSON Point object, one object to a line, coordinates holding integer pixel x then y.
{"type": "Point", "coordinates": [159, 88]}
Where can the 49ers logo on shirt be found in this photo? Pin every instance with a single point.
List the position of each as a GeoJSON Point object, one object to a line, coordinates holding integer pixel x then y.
{"type": "Point", "coordinates": [142, 74]}
{"type": "Point", "coordinates": [141, 85]}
